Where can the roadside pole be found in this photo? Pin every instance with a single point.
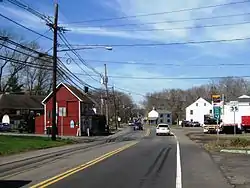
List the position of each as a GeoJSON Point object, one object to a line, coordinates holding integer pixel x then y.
{"type": "Point", "coordinates": [234, 124]}
{"type": "Point", "coordinates": [116, 118]}
{"type": "Point", "coordinates": [107, 96]}
{"type": "Point", "coordinates": [55, 28]}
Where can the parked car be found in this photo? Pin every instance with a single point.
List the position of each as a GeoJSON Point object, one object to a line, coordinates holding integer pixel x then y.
{"type": "Point", "coordinates": [195, 124]}
{"type": "Point", "coordinates": [5, 127]}
{"type": "Point", "coordinates": [185, 123]}
{"type": "Point", "coordinates": [162, 129]}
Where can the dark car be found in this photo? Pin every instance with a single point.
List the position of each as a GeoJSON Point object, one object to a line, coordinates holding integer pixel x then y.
{"type": "Point", "coordinates": [138, 126]}
{"type": "Point", "coordinates": [196, 124]}
{"type": "Point", "coordinates": [185, 123]}
{"type": "Point", "coordinates": [5, 127]}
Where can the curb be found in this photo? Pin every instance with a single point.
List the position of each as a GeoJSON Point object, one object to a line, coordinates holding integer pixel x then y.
{"type": "Point", "coordinates": [235, 151]}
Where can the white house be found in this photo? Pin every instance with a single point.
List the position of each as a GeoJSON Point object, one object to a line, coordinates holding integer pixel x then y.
{"type": "Point", "coordinates": [153, 115]}
{"type": "Point", "coordinates": [244, 110]}
{"type": "Point", "coordinates": [197, 110]}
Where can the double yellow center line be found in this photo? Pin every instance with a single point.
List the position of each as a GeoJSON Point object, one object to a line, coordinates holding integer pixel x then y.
{"type": "Point", "coordinates": [81, 167]}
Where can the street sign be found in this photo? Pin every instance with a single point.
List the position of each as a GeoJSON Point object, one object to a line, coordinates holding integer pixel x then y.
{"type": "Point", "coordinates": [217, 112]}
{"type": "Point", "coordinates": [234, 106]}
{"type": "Point", "coordinates": [216, 98]}
{"type": "Point", "coordinates": [234, 109]}
{"type": "Point", "coordinates": [234, 103]}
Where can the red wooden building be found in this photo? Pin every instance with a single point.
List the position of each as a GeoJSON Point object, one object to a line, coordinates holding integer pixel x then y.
{"type": "Point", "coordinates": [72, 105]}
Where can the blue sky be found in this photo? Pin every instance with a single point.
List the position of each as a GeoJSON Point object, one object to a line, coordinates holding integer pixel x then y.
{"type": "Point", "coordinates": [183, 55]}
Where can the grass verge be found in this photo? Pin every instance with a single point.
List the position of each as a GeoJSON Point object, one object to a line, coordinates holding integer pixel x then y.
{"type": "Point", "coordinates": [16, 144]}
{"type": "Point", "coordinates": [215, 143]}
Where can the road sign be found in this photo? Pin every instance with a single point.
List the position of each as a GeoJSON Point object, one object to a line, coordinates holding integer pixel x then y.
{"type": "Point", "coordinates": [234, 106]}
{"type": "Point", "coordinates": [234, 103]}
{"type": "Point", "coordinates": [217, 112]}
{"type": "Point", "coordinates": [234, 109]}
{"type": "Point", "coordinates": [216, 98]}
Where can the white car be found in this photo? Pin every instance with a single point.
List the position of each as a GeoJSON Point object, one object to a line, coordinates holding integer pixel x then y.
{"type": "Point", "coordinates": [163, 129]}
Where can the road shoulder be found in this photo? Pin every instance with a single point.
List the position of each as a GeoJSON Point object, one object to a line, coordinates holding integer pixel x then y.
{"type": "Point", "coordinates": [198, 168]}
{"type": "Point", "coordinates": [235, 167]}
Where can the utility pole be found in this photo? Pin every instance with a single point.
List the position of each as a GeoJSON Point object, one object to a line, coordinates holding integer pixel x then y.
{"type": "Point", "coordinates": [107, 96]}
{"type": "Point", "coordinates": [116, 125]}
{"type": "Point", "coordinates": [55, 28]}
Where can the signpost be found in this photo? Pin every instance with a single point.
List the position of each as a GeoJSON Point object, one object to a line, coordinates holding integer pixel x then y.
{"type": "Point", "coordinates": [234, 107]}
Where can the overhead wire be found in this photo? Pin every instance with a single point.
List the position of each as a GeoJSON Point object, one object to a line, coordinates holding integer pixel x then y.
{"type": "Point", "coordinates": [186, 28]}
{"type": "Point", "coordinates": [171, 21]}
{"type": "Point", "coordinates": [69, 46]}
{"type": "Point", "coordinates": [31, 30]}
{"type": "Point", "coordinates": [177, 64]}
{"type": "Point", "coordinates": [162, 44]}
{"type": "Point", "coordinates": [31, 10]}
{"type": "Point", "coordinates": [161, 13]}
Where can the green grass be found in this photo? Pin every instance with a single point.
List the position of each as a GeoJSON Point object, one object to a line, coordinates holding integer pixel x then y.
{"type": "Point", "coordinates": [16, 144]}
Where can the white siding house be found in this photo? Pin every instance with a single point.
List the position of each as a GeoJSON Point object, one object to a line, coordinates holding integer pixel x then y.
{"type": "Point", "coordinates": [197, 110]}
{"type": "Point", "coordinates": [244, 110]}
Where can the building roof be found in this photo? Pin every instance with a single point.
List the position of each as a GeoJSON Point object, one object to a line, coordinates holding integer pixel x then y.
{"type": "Point", "coordinates": [15, 101]}
{"type": "Point", "coordinates": [80, 95]}
{"type": "Point", "coordinates": [199, 99]}
{"type": "Point", "coordinates": [163, 111]}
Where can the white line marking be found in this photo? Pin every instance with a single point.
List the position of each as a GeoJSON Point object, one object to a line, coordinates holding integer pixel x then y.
{"type": "Point", "coordinates": [178, 165]}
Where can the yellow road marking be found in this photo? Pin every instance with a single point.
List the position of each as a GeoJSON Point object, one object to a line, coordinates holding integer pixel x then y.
{"type": "Point", "coordinates": [81, 167]}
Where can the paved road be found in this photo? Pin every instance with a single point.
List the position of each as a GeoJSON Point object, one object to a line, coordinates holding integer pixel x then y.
{"type": "Point", "coordinates": [151, 163]}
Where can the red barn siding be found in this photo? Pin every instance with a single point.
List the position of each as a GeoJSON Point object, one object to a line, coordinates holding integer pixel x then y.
{"type": "Point", "coordinates": [66, 99]}
{"type": "Point", "coordinates": [39, 124]}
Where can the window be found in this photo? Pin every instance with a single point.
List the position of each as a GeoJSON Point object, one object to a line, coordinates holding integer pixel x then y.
{"type": "Point", "coordinates": [168, 115]}
{"type": "Point", "coordinates": [191, 112]}
{"type": "Point", "coordinates": [196, 104]}
{"type": "Point", "coordinates": [62, 111]}
{"type": "Point", "coordinates": [161, 115]}
{"type": "Point", "coordinates": [161, 121]}
{"type": "Point", "coordinates": [210, 111]}
{"type": "Point", "coordinates": [168, 120]}
{"type": "Point", "coordinates": [163, 125]}
{"type": "Point", "coordinates": [205, 104]}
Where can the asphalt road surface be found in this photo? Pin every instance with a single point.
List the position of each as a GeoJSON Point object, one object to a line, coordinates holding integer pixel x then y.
{"type": "Point", "coordinates": [133, 161]}
{"type": "Point", "coordinates": [149, 164]}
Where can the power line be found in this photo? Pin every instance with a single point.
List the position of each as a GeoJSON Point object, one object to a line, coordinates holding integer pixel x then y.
{"type": "Point", "coordinates": [26, 63]}
{"type": "Point", "coordinates": [164, 44]}
{"type": "Point", "coordinates": [69, 46]}
{"type": "Point", "coordinates": [190, 27]}
{"type": "Point", "coordinates": [169, 78]}
{"type": "Point", "coordinates": [173, 21]}
{"type": "Point", "coordinates": [31, 30]}
{"type": "Point", "coordinates": [29, 9]}
{"type": "Point", "coordinates": [160, 13]}
{"type": "Point", "coordinates": [133, 62]}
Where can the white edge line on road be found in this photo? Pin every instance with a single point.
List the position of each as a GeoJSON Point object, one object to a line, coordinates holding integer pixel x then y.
{"type": "Point", "coordinates": [178, 164]}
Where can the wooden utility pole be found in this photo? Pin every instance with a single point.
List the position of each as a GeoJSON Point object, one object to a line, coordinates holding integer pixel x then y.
{"type": "Point", "coordinates": [116, 118]}
{"type": "Point", "coordinates": [55, 28]}
{"type": "Point", "coordinates": [107, 96]}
